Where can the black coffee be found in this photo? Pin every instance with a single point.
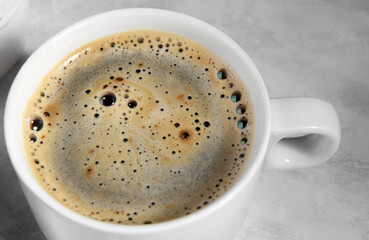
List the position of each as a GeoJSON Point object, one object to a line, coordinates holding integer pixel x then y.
{"type": "Point", "coordinates": [139, 127]}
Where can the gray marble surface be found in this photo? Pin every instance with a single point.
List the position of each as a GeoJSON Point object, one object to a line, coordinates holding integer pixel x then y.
{"type": "Point", "coordinates": [311, 48]}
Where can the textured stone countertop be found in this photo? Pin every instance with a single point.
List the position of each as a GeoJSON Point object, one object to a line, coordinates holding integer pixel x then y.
{"type": "Point", "coordinates": [312, 48]}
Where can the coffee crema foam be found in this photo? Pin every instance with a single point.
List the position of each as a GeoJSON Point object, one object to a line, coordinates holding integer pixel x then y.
{"type": "Point", "coordinates": [139, 127]}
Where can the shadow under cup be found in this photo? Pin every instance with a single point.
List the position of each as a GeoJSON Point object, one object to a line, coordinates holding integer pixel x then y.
{"type": "Point", "coordinates": [219, 220]}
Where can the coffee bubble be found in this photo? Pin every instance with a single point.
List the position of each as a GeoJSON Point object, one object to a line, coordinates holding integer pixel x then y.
{"type": "Point", "coordinates": [222, 74]}
{"type": "Point", "coordinates": [243, 141]}
{"type": "Point", "coordinates": [236, 96]}
{"type": "Point", "coordinates": [132, 104]}
{"type": "Point", "coordinates": [241, 109]}
{"type": "Point", "coordinates": [108, 99]}
{"type": "Point", "coordinates": [32, 138]}
{"type": "Point", "coordinates": [184, 135]}
{"type": "Point", "coordinates": [36, 123]}
{"type": "Point", "coordinates": [242, 123]}
{"type": "Point", "coordinates": [140, 39]}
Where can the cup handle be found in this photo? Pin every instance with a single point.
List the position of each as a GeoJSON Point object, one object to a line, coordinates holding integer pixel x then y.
{"type": "Point", "coordinates": [305, 132]}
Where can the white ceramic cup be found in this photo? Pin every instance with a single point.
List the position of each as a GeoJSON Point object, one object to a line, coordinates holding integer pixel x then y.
{"type": "Point", "coordinates": [290, 132]}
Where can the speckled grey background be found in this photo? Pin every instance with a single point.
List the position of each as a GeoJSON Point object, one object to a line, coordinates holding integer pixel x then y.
{"type": "Point", "coordinates": [311, 48]}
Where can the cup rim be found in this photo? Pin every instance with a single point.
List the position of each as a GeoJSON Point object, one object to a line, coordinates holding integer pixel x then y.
{"type": "Point", "coordinates": [46, 199]}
